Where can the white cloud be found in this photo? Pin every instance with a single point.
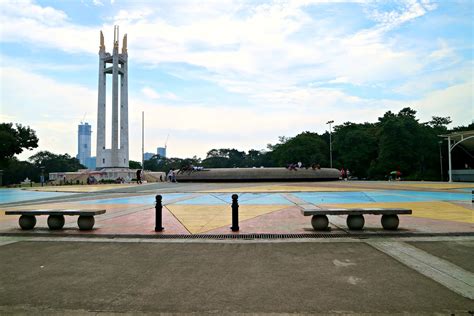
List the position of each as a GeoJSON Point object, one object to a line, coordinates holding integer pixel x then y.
{"type": "Point", "coordinates": [444, 51]}
{"type": "Point", "coordinates": [27, 10]}
{"type": "Point", "coordinates": [456, 101]}
{"type": "Point", "coordinates": [150, 93]}
{"type": "Point", "coordinates": [62, 105]}
{"type": "Point", "coordinates": [97, 3]}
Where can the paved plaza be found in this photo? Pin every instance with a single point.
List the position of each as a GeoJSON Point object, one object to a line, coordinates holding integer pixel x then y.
{"type": "Point", "coordinates": [423, 268]}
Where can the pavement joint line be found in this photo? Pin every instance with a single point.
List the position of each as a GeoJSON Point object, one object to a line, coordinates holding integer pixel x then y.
{"type": "Point", "coordinates": [437, 269]}
{"type": "Point", "coordinates": [7, 242]}
{"type": "Point", "coordinates": [123, 212]}
{"type": "Point", "coordinates": [137, 209]}
{"type": "Point", "coordinates": [340, 222]}
{"type": "Point", "coordinates": [294, 199]}
{"type": "Point", "coordinates": [184, 198]}
{"type": "Point", "coordinates": [178, 219]}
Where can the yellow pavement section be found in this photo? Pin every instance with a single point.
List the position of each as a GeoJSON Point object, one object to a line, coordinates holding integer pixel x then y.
{"type": "Point", "coordinates": [433, 210]}
{"type": "Point", "coordinates": [438, 186]}
{"type": "Point", "coordinates": [202, 218]}
{"type": "Point", "coordinates": [283, 188]}
{"type": "Point", "coordinates": [81, 188]}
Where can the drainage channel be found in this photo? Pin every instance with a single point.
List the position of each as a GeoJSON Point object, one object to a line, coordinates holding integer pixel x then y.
{"type": "Point", "coordinates": [244, 236]}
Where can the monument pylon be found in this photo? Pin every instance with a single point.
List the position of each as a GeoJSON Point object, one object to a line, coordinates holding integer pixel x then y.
{"type": "Point", "coordinates": [115, 64]}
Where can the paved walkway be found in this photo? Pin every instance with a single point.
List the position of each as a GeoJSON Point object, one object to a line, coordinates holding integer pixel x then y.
{"type": "Point", "coordinates": [64, 276]}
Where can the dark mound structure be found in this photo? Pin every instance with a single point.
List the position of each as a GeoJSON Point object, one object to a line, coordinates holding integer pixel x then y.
{"type": "Point", "coordinates": [258, 174]}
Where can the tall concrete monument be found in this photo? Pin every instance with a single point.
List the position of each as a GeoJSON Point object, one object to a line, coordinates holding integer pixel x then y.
{"type": "Point", "coordinates": [117, 66]}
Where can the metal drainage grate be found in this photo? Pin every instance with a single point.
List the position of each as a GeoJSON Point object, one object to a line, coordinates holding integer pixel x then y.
{"type": "Point", "coordinates": [302, 236]}
{"type": "Point", "coordinates": [244, 236]}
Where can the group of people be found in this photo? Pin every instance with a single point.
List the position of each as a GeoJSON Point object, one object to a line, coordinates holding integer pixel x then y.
{"type": "Point", "coordinates": [190, 168]}
{"type": "Point", "coordinates": [299, 165]}
{"type": "Point", "coordinates": [90, 180]}
{"type": "Point", "coordinates": [171, 177]}
{"type": "Point", "coordinates": [345, 174]}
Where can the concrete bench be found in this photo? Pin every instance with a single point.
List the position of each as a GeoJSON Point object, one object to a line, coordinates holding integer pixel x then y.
{"type": "Point", "coordinates": [85, 221]}
{"type": "Point", "coordinates": [355, 216]}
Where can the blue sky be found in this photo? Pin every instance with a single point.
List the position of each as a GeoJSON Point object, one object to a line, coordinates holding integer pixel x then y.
{"type": "Point", "coordinates": [226, 73]}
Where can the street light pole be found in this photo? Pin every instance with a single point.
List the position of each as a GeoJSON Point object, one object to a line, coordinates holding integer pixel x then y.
{"type": "Point", "coordinates": [441, 159]}
{"type": "Point", "coordinates": [42, 175]}
{"type": "Point", "coordinates": [330, 142]}
{"type": "Point", "coordinates": [143, 140]}
{"type": "Point", "coordinates": [449, 160]}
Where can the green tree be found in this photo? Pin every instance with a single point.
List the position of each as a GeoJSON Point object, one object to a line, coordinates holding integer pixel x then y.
{"type": "Point", "coordinates": [401, 140]}
{"type": "Point", "coordinates": [440, 122]}
{"type": "Point", "coordinates": [18, 171]}
{"type": "Point", "coordinates": [258, 158]}
{"type": "Point", "coordinates": [306, 147]}
{"type": "Point", "coordinates": [13, 140]}
{"type": "Point", "coordinates": [158, 163]}
{"type": "Point", "coordinates": [55, 163]}
{"type": "Point", "coordinates": [224, 158]}
{"type": "Point", "coordinates": [355, 147]}
{"type": "Point", "coordinates": [134, 164]}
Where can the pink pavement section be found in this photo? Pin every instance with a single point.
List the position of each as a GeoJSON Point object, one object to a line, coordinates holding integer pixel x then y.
{"type": "Point", "coordinates": [284, 221]}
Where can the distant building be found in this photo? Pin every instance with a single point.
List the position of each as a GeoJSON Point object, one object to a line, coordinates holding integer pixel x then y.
{"type": "Point", "coordinates": [148, 156]}
{"type": "Point", "coordinates": [161, 151]}
{"type": "Point", "coordinates": [90, 163]}
{"type": "Point", "coordinates": [84, 145]}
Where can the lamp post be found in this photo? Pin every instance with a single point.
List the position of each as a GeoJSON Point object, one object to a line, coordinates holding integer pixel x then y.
{"type": "Point", "coordinates": [330, 142]}
{"type": "Point", "coordinates": [441, 159]}
{"type": "Point", "coordinates": [42, 175]}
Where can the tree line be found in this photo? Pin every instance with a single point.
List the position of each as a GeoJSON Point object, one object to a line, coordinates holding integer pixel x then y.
{"type": "Point", "coordinates": [396, 142]}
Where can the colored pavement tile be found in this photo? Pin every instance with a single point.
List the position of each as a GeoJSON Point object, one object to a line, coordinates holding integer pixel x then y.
{"type": "Point", "coordinates": [283, 221]}
{"type": "Point", "coordinates": [433, 210]}
{"type": "Point", "coordinates": [142, 199]}
{"type": "Point", "coordinates": [206, 199]}
{"type": "Point", "coordinates": [380, 196]}
{"type": "Point", "coordinates": [256, 198]}
{"type": "Point", "coordinates": [141, 222]}
{"type": "Point", "coordinates": [83, 188]}
{"type": "Point", "coordinates": [282, 188]}
{"type": "Point", "coordinates": [18, 195]}
{"type": "Point", "coordinates": [203, 218]}
{"type": "Point", "coordinates": [438, 186]}
{"type": "Point", "coordinates": [400, 195]}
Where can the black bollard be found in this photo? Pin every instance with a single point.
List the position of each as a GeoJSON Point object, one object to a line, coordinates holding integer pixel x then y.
{"type": "Point", "coordinates": [158, 213]}
{"type": "Point", "coordinates": [235, 213]}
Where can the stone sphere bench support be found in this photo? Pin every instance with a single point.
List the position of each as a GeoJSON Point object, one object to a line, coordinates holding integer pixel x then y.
{"type": "Point", "coordinates": [355, 217]}
{"type": "Point", "coordinates": [56, 220]}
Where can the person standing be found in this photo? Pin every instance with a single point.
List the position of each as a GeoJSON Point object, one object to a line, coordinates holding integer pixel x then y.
{"type": "Point", "coordinates": [173, 176]}
{"type": "Point", "coordinates": [139, 176]}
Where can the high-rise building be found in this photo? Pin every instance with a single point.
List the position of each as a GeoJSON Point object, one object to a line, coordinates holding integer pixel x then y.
{"type": "Point", "coordinates": [148, 156]}
{"type": "Point", "coordinates": [161, 151]}
{"type": "Point", "coordinates": [84, 144]}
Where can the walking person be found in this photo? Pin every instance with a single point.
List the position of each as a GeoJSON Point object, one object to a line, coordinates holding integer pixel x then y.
{"type": "Point", "coordinates": [139, 176]}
